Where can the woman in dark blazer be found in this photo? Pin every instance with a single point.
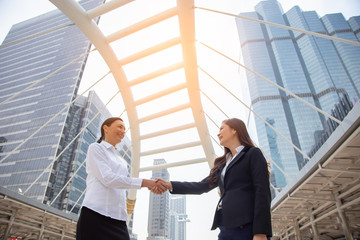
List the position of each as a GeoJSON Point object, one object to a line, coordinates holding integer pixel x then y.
{"type": "Point", "coordinates": [243, 211]}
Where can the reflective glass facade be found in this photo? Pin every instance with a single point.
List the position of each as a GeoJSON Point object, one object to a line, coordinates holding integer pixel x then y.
{"type": "Point", "coordinates": [159, 208]}
{"type": "Point", "coordinates": [178, 217]}
{"type": "Point", "coordinates": [320, 71]}
{"type": "Point", "coordinates": [355, 26]}
{"type": "Point", "coordinates": [84, 114]}
{"type": "Point", "coordinates": [25, 63]}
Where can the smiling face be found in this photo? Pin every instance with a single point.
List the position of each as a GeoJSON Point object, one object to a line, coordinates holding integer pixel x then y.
{"type": "Point", "coordinates": [115, 132]}
{"type": "Point", "coordinates": [227, 136]}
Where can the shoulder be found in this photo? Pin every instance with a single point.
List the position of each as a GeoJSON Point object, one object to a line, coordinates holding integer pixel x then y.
{"type": "Point", "coordinates": [252, 150]}
{"type": "Point", "coordinates": [95, 147]}
{"type": "Point", "coordinates": [255, 153]}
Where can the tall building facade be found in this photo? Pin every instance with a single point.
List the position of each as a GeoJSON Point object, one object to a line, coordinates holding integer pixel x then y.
{"type": "Point", "coordinates": [320, 71]}
{"type": "Point", "coordinates": [32, 61]}
{"type": "Point", "coordinates": [82, 128]}
{"type": "Point", "coordinates": [159, 206]}
{"type": "Point", "coordinates": [178, 217]}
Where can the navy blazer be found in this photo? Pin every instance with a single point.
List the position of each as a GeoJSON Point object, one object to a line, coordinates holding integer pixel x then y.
{"type": "Point", "coordinates": [245, 192]}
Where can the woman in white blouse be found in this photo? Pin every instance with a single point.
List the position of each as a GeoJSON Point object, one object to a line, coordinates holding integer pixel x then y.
{"type": "Point", "coordinates": [103, 213]}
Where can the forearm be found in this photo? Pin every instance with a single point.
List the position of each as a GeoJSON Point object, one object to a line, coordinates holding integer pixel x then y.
{"type": "Point", "coordinates": [147, 183]}
{"type": "Point", "coordinates": [190, 187]}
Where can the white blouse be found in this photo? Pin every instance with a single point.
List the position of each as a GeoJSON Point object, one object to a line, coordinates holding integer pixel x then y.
{"type": "Point", "coordinates": [107, 181]}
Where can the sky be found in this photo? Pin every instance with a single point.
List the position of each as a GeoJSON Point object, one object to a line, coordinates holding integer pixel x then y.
{"type": "Point", "coordinates": [215, 30]}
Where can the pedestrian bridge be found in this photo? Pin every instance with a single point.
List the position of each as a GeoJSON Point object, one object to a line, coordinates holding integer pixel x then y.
{"type": "Point", "coordinates": [322, 202]}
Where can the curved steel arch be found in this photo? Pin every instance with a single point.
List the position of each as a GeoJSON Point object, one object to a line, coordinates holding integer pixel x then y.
{"type": "Point", "coordinates": [185, 13]}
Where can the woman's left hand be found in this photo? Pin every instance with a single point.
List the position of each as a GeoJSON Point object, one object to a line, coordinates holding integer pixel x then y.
{"type": "Point", "coordinates": [259, 237]}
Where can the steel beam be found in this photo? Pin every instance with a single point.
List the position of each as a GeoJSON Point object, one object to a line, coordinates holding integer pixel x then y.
{"type": "Point", "coordinates": [343, 219]}
{"type": "Point", "coordinates": [107, 7]}
{"type": "Point", "coordinates": [175, 164]}
{"type": "Point", "coordinates": [187, 31]}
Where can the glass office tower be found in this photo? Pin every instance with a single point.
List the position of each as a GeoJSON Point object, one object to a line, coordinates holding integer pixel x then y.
{"type": "Point", "coordinates": [86, 116]}
{"type": "Point", "coordinates": [178, 217]}
{"type": "Point", "coordinates": [320, 71]}
{"type": "Point", "coordinates": [159, 206]}
{"type": "Point", "coordinates": [27, 62]}
{"type": "Point", "coordinates": [355, 26]}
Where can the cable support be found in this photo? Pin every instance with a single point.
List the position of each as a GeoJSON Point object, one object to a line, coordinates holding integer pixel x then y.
{"type": "Point", "coordinates": [122, 113]}
{"type": "Point", "coordinates": [276, 85]}
{"type": "Point", "coordinates": [72, 141]}
{"type": "Point", "coordinates": [52, 118]}
{"type": "Point", "coordinates": [36, 35]}
{"type": "Point", "coordinates": [285, 27]}
{"type": "Point", "coordinates": [249, 115]}
{"type": "Point", "coordinates": [120, 117]}
{"type": "Point", "coordinates": [214, 104]}
{"type": "Point", "coordinates": [57, 157]}
{"type": "Point", "coordinates": [70, 177]}
{"type": "Point", "coordinates": [216, 126]}
{"type": "Point", "coordinates": [276, 189]}
{"type": "Point", "coordinates": [86, 187]}
{"type": "Point", "coordinates": [76, 203]}
{"type": "Point", "coordinates": [287, 140]}
{"type": "Point", "coordinates": [46, 77]}
{"type": "Point", "coordinates": [212, 120]}
{"type": "Point", "coordinates": [216, 142]}
{"type": "Point", "coordinates": [267, 156]}
{"type": "Point", "coordinates": [278, 167]}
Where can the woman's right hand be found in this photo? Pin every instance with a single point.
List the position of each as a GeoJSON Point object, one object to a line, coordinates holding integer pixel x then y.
{"type": "Point", "coordinates": [153, 186]}
{"type": "Point", "coordinates": [165, 184]}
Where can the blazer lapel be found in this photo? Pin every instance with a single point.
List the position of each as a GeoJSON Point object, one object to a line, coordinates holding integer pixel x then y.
{"type": "Point", "coordinates": [237, 158]}
{"type": "Point", "coordinates": [220, 182]}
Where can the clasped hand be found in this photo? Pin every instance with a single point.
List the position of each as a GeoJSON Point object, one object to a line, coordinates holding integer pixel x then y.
{"type": "Point", "coordinates": [159, 186]}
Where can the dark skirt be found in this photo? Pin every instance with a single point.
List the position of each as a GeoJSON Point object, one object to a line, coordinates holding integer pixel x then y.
{"type": "Point", "coordinates": [94, 226]}
{"type": "Point", "coordinates": [244, 232]}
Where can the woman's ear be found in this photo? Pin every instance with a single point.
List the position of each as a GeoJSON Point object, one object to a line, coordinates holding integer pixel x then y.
{"type": "Point", "coordinates": [105, 127]}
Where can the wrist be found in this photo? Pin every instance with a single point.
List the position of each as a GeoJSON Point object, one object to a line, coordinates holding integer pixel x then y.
{"type": "Point", "coordinates": [146, 183]}
{"type": "Point", "coordinates": [170, 186]}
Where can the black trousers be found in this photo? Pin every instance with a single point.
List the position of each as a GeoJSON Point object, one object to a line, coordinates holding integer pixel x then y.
{"type": "Point", "coordinates": [94, 226]}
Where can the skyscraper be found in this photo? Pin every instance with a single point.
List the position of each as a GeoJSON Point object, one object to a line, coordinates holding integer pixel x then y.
{"type": "Point", "coordinates": [355, 25]}
{"type": "Point", "coordinates": [32, 61]}
{"type": "Point", "coordinates": [178, 217]}
{"type": "Point", "coordinates": [159, 206]}
{"type": "Point", "coordinates": [86, 115]}
{"type": "Point", "coordinates": [320, 71]}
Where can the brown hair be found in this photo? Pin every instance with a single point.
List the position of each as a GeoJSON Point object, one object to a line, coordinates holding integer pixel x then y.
{"type": "Point", "coordinates": [108, 123]}
{"type": "Point", "coordinates": [245, 140]}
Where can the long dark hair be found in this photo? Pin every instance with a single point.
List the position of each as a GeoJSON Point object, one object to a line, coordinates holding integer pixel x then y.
{"type": "Point", "coordinates": [108, 123]}
{"type": "Point", "coordinates": [245, 140]}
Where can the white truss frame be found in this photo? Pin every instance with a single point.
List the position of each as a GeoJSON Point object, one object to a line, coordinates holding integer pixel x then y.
{"type": "Point", "coordinates": [185, 13]}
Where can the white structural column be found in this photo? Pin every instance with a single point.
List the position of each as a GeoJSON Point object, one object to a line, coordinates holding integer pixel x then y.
{"type": "Point", "coordinates": [185, 12]}
{"type": "Point", "coordinates": [344, 221]}
{"type": "Point", "coordinates": [187, 31]}
{"type": "Point", "coordinates": [297, 230]}
{"type": "Point", "coordinates": [316, 235]}
{"type": "Point", "coordinates": [10, 224]}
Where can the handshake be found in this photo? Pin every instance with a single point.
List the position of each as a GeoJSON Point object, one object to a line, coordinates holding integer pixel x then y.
{"type": "Point", "coordinates": [157, 186]}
